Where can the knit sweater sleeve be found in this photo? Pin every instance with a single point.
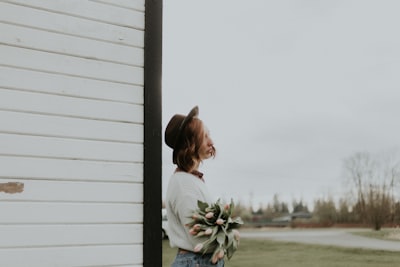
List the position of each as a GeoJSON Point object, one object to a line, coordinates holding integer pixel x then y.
{"type": "Point", "coordinates": [186, 206]}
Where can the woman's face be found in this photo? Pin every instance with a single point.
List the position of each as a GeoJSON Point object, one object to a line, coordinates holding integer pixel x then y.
{"type": "Point", "coordinates": [206, 149]}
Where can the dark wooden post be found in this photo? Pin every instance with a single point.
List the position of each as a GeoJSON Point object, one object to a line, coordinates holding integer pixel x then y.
{"type": "Point", "coordinates": [152, 243]}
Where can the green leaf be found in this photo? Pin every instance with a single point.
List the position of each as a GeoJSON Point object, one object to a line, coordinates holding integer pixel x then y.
{"type": "Point", "coordinates": [238, 220]}
{"type": "Point", "coordinates": [200, 234]}
{"type": "Point", "coordinates": [218, 211]}
{"type": "Point", "coordinates": [221, 238]}
{"type": "Point", "coordinates": [230, 239]}
{"type": "Point", "coordinates": [229, 252]}
{"type": "Point", "coordinates": [225, 229]}
{"type": "Point", "coordinates": [209, 223]}
{"type": "Point", "coordinates": [236, 223]}
{"type": "Point", "coordinates": [202, 205]}
{"type": "Point", "coordinates": [214, 232]}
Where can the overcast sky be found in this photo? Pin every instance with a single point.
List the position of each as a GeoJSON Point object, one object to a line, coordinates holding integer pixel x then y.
{"type": "Point", "coordinates": [288, 89]}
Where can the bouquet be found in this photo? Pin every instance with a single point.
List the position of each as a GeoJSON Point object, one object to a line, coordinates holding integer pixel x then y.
{"type": "Point", "coordinates": [216, 224]}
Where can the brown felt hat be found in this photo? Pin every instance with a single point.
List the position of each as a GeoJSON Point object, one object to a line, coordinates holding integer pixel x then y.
{"type": "Point", "coordinates": [176, 125]}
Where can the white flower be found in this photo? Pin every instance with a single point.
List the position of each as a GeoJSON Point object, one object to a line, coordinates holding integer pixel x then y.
{"type": "Point", "coordinates": [209, 215]}
{"type": "Point", "coordinates": [208, 231]}
{"type": "Point", "coordinates": [220, 222]}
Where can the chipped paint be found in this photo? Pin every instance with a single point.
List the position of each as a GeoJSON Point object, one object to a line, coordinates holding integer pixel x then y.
{"type": "Point", "coordinates": [11, 187]}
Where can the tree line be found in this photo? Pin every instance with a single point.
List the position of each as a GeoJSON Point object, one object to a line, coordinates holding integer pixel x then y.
{"type": "Point", "coordinates": [372, 197]}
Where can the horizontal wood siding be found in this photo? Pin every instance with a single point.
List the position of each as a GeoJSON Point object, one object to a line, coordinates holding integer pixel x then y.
{"type": "Point", "coordinates": [78, 87]}
{"type": "Point", "coordinates": [72, 132]}
{"type": "Point", "coordinates": [80, 235]}
{"type": "Point", "coordinates": [39, 18]}
{"type": "Point", "coordinates": [35, 168]}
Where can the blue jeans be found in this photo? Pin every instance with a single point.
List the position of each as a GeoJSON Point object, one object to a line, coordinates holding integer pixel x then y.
{"type": "Point", "coordinates": [195, 260]}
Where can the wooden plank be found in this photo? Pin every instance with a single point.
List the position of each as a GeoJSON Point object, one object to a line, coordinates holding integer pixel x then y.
{"type": "Point", "coordinates": [71, 107]}
{"type": "Point", "coordinates": [71, 170]}
{"type": "Point", "coordinates": [37, 190]}
{"type": "Point", "coordinates": [133, 4]}
{"type": "Point", "coordinates": [70, 45]}
{"type": "Point", "coordinates": [74, 66]}
{"type": "Point", "coordinates": [69, 213]}
{"type": "Point", "coordinates": [90, 10]}
{"type": "Point", "coordinates": [56, 126]}
{"type": "Point", "coordinates": [65, 24]}
{"type": "Point", "coordinates": [80, 256]}
{"type": "Point", "coordinates": [70, 86]}
{"type": "Point", "coordinates": [13, 236]}
{"type": "Point", "coordinates": [52, 147]}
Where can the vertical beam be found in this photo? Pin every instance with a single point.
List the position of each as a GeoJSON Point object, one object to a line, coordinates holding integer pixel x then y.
{"type": "Point", "coordinates": [152, 245]}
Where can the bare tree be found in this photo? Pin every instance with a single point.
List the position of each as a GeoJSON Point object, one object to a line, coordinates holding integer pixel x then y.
{"type": "Point", "coordinates": [358, 169]}
{"type": "Point", "coordinates": [392, 173]}
{"type": "Point", "coordinates": [374, 179]}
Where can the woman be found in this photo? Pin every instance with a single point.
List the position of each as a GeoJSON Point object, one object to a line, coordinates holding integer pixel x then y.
{"type": "Point", "coordinates": [191, 144]}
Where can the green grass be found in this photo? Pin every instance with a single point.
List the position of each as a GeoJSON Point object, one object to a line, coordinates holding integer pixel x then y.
{"type": "Point", "coordinates": [265, 253]}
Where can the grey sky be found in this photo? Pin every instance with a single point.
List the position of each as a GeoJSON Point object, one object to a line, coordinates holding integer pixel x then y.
{"type": "Point", "coordinates": [288, 89]}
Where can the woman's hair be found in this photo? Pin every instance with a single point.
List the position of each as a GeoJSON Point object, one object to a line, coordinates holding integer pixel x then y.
{"type": "Point", "coordinates": [186, 153]}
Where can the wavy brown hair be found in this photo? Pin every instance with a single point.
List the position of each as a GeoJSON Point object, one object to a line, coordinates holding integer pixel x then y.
{"type": "Point", "coordinates": [186, 153]}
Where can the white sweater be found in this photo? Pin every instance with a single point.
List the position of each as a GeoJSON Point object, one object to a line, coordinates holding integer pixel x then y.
{"type": "Point", "coordinates": [184, 190]}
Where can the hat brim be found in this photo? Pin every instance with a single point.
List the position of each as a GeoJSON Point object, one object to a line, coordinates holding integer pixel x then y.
{"type": "Point", "coordinates": [193, 113]}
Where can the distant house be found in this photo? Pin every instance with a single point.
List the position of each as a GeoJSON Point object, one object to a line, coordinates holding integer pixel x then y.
{"type": "Point", "coordinates": [80, 133]}
{"type": "Point", "coordinates": [301, 215]}
{"type": "Point", "coordinates": [282, 219]}
{"type": "Point", "coordinates": [292, 216]}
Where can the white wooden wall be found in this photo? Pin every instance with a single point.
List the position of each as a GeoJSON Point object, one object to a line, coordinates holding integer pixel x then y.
{"type": "Point", "coordinates": [71, 131]}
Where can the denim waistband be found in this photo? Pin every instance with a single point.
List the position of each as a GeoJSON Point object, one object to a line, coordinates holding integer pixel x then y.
{"type": "Point", "coordinates": [185, 258]}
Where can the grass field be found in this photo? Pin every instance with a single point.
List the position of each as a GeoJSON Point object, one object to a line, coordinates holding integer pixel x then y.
{"type": "Point", "coordinates": [265, 253]}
